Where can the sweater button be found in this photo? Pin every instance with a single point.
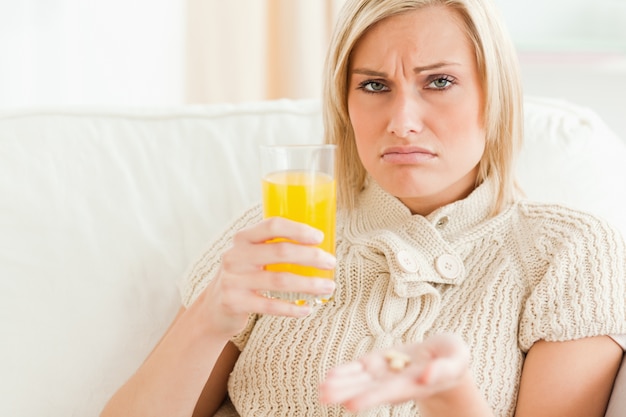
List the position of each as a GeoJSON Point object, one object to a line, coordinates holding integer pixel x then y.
{"type": "Point", "coordinates": [442, 222]}
{"type": "Point", "coordinates": [448, 266]}
{"type": "Point", "coordinates": [406, 261]}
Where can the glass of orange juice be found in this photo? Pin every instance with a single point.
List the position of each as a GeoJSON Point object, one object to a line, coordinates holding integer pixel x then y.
{"type": "Point", "coordinates": [298, 183]}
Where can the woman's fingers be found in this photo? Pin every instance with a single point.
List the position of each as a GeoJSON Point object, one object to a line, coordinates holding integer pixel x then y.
{"type": "Point", "coordinates": [393, 391]}
{"type": "Point", "coordinates": [246, 302]}
{"type": "Point", "coordinates": [369, 381]}
{"type": "Point", "coordinates": [243, 279]}
{"type": "Point", "coordinates": [244, 265]}
{"type": "Point", "coordinates": [276, 240]}
{"type": "Point", "coordinates": [254, 257]}
{"type": "Point", "coordinates": [450, 358]}
{"type": "Point", "coordinates": [280, 227]}
{"type": "Point", "coordinates": [246, 294]}
{"type": "Point", "coordinates": [262, 281]}
{"type": "Point", "coordinates": [426, 369]}
{"type": "Point", "coordinates": [345, 383]}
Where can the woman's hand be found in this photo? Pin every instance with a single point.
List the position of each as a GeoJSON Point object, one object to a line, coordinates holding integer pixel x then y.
{"type": "Point", "coordinates": [417, 372]}
{"type": "Point", "coordinates": [238, 288]}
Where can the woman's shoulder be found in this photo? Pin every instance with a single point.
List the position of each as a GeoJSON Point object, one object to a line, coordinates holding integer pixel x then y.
{"type": "Point", "coordinates": [546, 212]}
{"type": "Point", "coordinates": [564, 222]}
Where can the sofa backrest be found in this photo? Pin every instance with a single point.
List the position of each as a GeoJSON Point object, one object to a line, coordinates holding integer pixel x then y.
{"type": "Point", "coordinates": [101, 211]}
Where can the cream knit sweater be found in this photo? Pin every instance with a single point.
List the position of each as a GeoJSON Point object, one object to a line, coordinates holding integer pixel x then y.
{"type": "Point", "coordinates": [533, 272]}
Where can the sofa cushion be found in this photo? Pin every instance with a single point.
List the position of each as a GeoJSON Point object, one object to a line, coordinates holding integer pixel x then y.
{"type": "Point", "coordinates": [617, 404]}
{"type": "Point", "coordinates": [570, 156]}
{"type": "Point", "coordinates": [100, 212]}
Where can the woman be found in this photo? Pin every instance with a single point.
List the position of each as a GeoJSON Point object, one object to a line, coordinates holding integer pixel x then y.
{"type": "Point", "coordinates": [453, 295]}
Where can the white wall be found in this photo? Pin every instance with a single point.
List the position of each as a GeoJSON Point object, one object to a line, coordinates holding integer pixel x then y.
{"type": "Point", "coordinates": [91, 52]}
{"type": "Point", "coordinates": [593, 80]}
{"type": "Point", "coordinates": [574, 50]}
{"type": "Point", "coordinates": [132, 52]}
{"type": "Point", "coordinates": [566, 24]}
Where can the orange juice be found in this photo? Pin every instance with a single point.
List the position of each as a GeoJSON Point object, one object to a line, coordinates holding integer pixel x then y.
{"type": "Point", "coordinates": [306, 197]}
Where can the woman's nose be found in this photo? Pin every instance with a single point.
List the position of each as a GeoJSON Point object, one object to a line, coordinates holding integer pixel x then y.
{"type": "Point", "coordinates": [406, 116]}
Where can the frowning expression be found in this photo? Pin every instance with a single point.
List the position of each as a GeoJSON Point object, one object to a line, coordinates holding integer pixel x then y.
{"type": "Point", "coordinates": [416, 106]}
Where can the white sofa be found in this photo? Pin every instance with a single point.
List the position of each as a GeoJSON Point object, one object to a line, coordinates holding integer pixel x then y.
{"type": "Point", "coordinates": [101, 211]}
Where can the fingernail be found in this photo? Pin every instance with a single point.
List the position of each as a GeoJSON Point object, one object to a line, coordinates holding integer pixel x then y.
{"type": "Point", "coordinates": [304, 311]}
{"type": "Point", "coordinates": [328, 285]}
{"type": "Point", "coordinates": [329, 260]}
{"type": "Point", "coordinates": [317, 236]}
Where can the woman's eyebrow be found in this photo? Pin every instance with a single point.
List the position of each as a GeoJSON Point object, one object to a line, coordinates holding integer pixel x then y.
{"type": "Point", "coordinates": [437, 65]}
{"type": "Point", "coordinates": [370, 73]}
{"type": "Point", "coordinates": [417, 70]}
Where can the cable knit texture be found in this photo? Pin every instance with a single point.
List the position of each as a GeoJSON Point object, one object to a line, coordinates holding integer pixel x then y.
{"type": "Point", "coordinates": [535, 271]}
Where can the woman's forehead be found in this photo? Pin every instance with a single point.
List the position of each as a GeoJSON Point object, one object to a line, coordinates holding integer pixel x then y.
{"type": "Point", "coordinates": [435, 34]}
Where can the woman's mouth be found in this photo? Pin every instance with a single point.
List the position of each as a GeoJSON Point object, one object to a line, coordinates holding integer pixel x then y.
{"type": "Point", "coordinates": [407, 155]}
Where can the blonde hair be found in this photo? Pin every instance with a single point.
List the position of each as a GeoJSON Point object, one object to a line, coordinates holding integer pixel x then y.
{"type": "Point", "coordinates": [499, 75]}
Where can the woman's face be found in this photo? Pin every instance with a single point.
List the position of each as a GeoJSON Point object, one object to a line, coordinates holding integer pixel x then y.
{"type": "Point", "coordinates": [415, 103]}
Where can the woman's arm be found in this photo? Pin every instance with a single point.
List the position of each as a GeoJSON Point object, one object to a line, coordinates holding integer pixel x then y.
{"type": "Point", "coordinates": [214, 391]}
{"type": "Point", "coordinates": [571, 378]}
{"type": "Point", "coordinates": [189, 367]}
{"type": "Point", "coordinates": [171, 379]}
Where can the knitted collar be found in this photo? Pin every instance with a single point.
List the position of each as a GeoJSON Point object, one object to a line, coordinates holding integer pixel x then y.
{"type": "Point", "coordinates": [416, 249]}
{"type": "Point", "coordinates": [381, 210]}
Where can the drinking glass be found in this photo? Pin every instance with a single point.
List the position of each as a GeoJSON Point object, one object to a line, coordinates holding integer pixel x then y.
{"type": "Point", "coordinates": [298, 183]}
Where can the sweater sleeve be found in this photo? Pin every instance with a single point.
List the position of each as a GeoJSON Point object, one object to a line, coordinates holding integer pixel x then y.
{"type": "Point", "coordinates": [200, 273]}
{"type": "Point", "coordinates": [580, 288]}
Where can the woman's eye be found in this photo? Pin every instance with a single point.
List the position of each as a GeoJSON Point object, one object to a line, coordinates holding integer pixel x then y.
{"type": "Point", "coordinates": [373, 86]}
{"type": "Point", "coordinates": [440, 83]}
